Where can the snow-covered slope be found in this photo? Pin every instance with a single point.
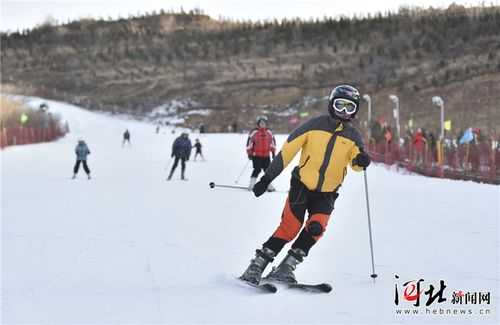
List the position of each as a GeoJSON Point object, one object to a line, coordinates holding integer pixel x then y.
{"type": "Point", "coordinates": [130, 247]}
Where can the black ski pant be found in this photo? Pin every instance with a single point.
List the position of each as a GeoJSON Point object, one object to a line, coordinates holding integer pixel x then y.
{"type": "Point", "coordinates": [198, 153]}
{"type": "Point", "coordinates": [77, 166]}
{"type": "Point", "coordinates": [259, 164]}
{"type": "Point", "coordinates": [300, 199]}
{"type": "Point", "coordinates": [176, 162]}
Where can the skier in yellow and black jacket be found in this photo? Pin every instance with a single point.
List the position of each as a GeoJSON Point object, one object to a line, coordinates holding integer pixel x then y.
{"type": "Point", "coordinates": [329, 144]}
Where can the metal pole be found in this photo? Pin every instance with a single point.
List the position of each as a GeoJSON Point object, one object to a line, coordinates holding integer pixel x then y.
{"type": "Point", "coordinates": [242, 171]}
{"type": "Point", "coordinates": [442, 121]}
{"type": "Point", "coordinates": [369, 111]}
{"type": "Point", "coordinates": [369, 101]}
{"type": "Point", "coordinates": [373, 275]}
{"type": "Point", "coordinates": [395, 100]}
{"type": "Point", "coordinates": [436, 100]}
{"type": "Point", "coordinates": [212, 185]}
{"type": "Point", "coordinates": [397, 119]}
{"type": "Point", "coordinates": [369, 126]}
{"type": "Point", "coordinates": [369, 120]}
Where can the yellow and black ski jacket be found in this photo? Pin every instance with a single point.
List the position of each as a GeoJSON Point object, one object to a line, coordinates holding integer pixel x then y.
{"type": "Point", "coordinates": [328, 147]}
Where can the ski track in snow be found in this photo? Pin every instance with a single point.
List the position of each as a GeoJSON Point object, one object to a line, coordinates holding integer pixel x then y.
{"type": "Point", "coordinates": [129, 247]}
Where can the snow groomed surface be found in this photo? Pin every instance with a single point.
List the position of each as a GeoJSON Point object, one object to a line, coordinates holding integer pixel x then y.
{"type": "Point", "coordinates": [130, 247]}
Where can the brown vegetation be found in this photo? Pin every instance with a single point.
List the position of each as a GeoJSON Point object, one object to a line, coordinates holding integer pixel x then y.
{"type": "Point", "coordinates": [240, 69]}
{"type": "Point", "coordinates": [11, 111]}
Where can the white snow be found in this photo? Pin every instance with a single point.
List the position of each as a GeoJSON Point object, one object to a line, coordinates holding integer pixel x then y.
{"type": "Point", "coordinates": [175, 111]}
{"type": "Point", "coordinates": [130, 247]}
{"type": "Point", "coordinates": [203, 112]}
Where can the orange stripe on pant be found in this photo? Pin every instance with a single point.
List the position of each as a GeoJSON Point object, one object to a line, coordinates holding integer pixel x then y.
{"type": "Point", "coordinates": [323, 221]}
{"type": "Point", "coordinates": [289, 226]}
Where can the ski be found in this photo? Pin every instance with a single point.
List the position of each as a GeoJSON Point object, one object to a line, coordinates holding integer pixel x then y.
{"type": "Point", "coordinates": [317, 288]}
{"type": "Point", "coordinates": [265, 287]}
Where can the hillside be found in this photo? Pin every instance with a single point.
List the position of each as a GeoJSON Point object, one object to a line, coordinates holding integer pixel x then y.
{"type": "Point", "coordinates": [237, 70]}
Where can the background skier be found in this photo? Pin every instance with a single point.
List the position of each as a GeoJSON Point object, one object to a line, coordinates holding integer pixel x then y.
{"type": "Point", "coordinates": [260, 145]}
{"type": "Point", "coordinates": [82, 151]}
{"type": "Point", "coordinates": [126, 137]}
{"type": "Point", "coordinates": [181, 150]}
{"type": "Point", "coordinates": [329, 144]}
{"type": "Point", "coordinates": [197, 145]}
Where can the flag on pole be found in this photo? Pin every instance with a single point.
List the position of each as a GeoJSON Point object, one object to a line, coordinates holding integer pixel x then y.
{"type": "Point", "coordinates": [447, 125]}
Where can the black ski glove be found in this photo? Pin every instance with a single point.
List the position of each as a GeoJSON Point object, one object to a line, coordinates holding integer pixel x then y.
{"type": "Point", "coordinates": [362, 160]}
{"type": "Point", "coordinates": [261, 186]}
{"type": "Point", "coordinates": [250, 157]}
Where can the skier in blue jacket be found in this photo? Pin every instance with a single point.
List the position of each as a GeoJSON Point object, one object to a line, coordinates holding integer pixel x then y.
{"type": "Point", "coordinates": [81, 151]}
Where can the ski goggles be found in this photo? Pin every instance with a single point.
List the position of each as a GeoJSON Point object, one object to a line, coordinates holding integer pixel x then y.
{"type": "Point", "coordinates": [344, 105]}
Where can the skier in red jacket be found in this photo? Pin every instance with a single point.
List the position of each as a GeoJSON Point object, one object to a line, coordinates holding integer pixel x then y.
{"type": "Point", "coordinates": [419, 144]}
{"type": "Point", "coordinates": [260, 145]}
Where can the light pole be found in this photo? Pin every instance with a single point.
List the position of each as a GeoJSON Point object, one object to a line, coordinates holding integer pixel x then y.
{"type": "Point", "coordinates": [395, 100]}
{"type": "Point", "coordinates": [369, 101]}
{"type": "Point", "coordinates": [436, 100]}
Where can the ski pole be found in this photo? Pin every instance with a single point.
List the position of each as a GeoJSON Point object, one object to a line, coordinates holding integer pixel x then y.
{"type": "Point", "coordinates": [242, 171]}
{"type": "Point", "coordinates": [212, 185]}
{"type": "Point", "coordinates": [373, 275]}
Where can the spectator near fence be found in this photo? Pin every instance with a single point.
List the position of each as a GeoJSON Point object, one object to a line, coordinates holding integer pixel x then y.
{"type": "Point", "coordinates": [433, 147]}
{"type": "Point", "coordinates": [419, 143]}
{"type": "Point", "coordinates": [388, 135]}
{"type": "Point", "coordinates": [376, 132]}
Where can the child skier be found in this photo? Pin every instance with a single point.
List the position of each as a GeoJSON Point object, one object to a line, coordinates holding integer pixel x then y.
{"type": "Point", "coordinates": [82, 151]}
{"type": "Point", "coordinates": [197, 145]}
{"type": "Point", "coordinates": [181, 150]}
{"type": "Point", "coordinates": [329, 144]}
{"type": "Point", "coordinates": [260, 144]}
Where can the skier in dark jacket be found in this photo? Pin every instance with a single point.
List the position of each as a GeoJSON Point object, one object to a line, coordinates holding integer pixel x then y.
{"type": "Point", "coordinates": [126, 137]}
{"type": "Point", "coordinates": [82, 151]}
{"type": "Point", "coordinates": [181, 150]}
{"type": "Point", "coordinates": [329, 144]}
{"type": "Point", "coordinates": [197, 145]}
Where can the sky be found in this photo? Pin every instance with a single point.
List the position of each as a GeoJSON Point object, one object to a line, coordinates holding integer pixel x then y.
{"type": "Point", "coordinates": [22, 14]}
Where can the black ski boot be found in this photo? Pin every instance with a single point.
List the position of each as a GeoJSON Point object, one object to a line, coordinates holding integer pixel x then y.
{"type": "Point", "coordinates": [284, 271]}
{"type": "Point", "coordinates": [253, 273]}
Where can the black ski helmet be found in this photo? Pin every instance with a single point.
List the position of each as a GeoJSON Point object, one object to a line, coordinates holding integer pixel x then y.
{"type": "Point", "coordinates": [260, 118]}
{"type": "Point", "coordinates": [348, 92]}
